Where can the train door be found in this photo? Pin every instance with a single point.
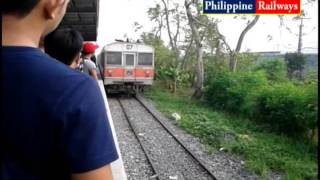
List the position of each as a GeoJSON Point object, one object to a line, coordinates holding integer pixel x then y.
{"type": "Point", "coordinates": [129, 68]}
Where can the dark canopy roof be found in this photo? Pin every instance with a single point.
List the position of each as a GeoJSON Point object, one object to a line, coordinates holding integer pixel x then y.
{"type": "Point", "coordinates": [82, 15]}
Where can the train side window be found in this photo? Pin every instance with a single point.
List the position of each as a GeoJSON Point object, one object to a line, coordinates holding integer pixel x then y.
{"type": "Point", "coordinates": [145, 59]}
{"type": "Point", "coordinates": [114, 58]}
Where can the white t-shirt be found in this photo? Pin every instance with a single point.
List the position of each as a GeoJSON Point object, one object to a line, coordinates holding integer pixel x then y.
{"type": "Point", "coordinates": [88, 65]}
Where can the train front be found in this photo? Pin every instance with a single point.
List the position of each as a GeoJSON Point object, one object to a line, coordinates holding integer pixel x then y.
{"type": "Point", "coordinates": [127, 66]}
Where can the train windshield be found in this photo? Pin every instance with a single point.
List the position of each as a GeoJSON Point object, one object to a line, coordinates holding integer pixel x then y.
{"type": "Point", "coordinates": [129, 59]}
{"type": "Point", "coordinates": [114, 58]}
{"type": "Point", "coordinates": [145, 59]}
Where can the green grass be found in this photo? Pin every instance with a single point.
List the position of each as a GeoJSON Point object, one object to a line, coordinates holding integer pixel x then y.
{"type": "Point", "coordinates": [262, 151]}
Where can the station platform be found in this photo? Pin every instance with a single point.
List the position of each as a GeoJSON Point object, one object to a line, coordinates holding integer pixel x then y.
{"type": "Point", "coordinates": [118, 171]}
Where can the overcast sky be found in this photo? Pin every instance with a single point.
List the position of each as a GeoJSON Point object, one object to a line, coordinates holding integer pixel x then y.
{"type": "Point", "coordinates": [116, 18]}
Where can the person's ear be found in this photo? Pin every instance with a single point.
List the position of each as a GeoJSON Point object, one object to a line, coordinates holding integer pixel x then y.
{"type": "Point", "coordinates": [52, 8]}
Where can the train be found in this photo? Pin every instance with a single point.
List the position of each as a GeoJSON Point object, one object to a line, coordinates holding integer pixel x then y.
{"type": "Point", "coordinates": [126, 66]}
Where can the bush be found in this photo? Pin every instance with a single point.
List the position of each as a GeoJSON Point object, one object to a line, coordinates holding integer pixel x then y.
{"type": "Point", "coordinates": [246, 61]}
{"type": "Point", "coordinates": [275, 69]}
{"type": "Point", "coordinates": [295, 65]}
{"type": "Point", "coordinates": [231, 91]}
{"type": "Point", "coordinates": [311, 77]}
{"type": "Point", "coordinates": [213, 66]}
{"type": "Point", "coordinates": [287, 108]}
{"type": "Point", "coordinates": [311, 106]}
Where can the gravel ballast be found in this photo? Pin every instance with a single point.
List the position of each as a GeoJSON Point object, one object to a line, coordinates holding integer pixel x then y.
{"type": "Point", "coordinates": [134, 159]}
{"type": "Point", "coordinates": [171, 160]}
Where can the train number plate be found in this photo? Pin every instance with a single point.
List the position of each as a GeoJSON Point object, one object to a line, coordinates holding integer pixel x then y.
{"type": "Point", "coordinates": [129, 73]}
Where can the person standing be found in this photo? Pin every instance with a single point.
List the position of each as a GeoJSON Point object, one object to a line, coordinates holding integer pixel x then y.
{"type": "Point", "coordinates": [89, 66]}
{"type": "Point", "coordinates": [54, 122]}
{"type": "Point", "coordinates": [64, 45]}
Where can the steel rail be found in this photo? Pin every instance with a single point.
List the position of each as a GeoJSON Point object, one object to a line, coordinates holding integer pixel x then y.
{"type": "Point", "coordinates": [156, 174]}
{"type": "Point", "coordinates": [204, 166]}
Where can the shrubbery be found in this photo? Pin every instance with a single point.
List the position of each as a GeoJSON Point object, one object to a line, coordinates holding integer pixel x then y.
{"type": "Point", "coordinates": [229, 90]}
{"type": "Point", "coordinates": [275, 69]}
{"type": "Point", "coordinates": [295, 65]}
{"type": "Point", "coordinates": [285, 107]}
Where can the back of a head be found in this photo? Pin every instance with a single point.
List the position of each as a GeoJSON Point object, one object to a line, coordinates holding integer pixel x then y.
{"type": "Point", "coordinates": [63, 44]}
{"type": "Point", "coordinates": [17, 7]}
{"type": "Point", "coordinates": [30, 18]}
{"type": "Point", "coordinates": [89, 49]}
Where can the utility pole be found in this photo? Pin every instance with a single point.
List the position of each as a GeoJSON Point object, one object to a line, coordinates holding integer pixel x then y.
{"type": "Point", "coordinates": [299, 75]}
{"type": "Point", "coordinates": [300, 36]}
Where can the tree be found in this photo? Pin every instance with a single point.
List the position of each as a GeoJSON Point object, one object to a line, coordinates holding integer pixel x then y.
{"type": "Point", "coordinates": [169, 19]}
{"type": "Point", "coordinates": [189, 40]}
{"type": "Point", "coordinates": [199, 35]}
{"type": "Point", "coordinates": [156, 14]}
{"type": "Point", "coordinates": [173, 38]}
{"type": "Point", "coordinates": [165, 68]}
{"type": "Point", "coordinates": [295, 64]}
{"type": "Point", "coordinates": [233, 53]}
{"type": "Point", "coordinates": [233, 57]}
{"type": "Point", "coordinates": [196, 35]}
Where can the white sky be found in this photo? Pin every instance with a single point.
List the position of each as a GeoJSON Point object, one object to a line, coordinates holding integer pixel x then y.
{"type": "Point", "coordinates": [116, 18]}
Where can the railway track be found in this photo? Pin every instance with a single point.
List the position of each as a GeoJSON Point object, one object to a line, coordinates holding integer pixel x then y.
{"type": "Point", "coordinates": [155, 151]}
{"type": "Point", "coordinates": [155, 176]}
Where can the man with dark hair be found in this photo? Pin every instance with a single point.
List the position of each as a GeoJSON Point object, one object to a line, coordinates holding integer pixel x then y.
{"type": "Point", "coordinates": [54, 123]}
{"type": "Point", "coordinates": [18, 8]}
{"type": "Point", "coordinates": [64, 45]}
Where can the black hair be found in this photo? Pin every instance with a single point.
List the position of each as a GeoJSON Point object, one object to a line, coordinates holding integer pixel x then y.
{"type": "Point", "coordinates": [93, 58]}
{"type": "Point", "coordinates": [85, 53]}
{"type": "Point", "coordinates": [18, 7]}
{"type": "Point", "coordinates": [63, 44]}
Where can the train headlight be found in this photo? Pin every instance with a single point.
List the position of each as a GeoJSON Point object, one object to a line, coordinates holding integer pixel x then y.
{"type": "Point", "coordinates": [110, 72]}
{"type": "Point", "coordinates": [147, 73]}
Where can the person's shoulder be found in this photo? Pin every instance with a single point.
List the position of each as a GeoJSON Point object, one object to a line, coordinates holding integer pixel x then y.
{"type": "Point", "coordinates": [69, 77]}
{"type": "Point", "coordinates": [72, 84]}
{"type": "Point", "coordinates": [30, 59]}
{"type": "Point", "coordinates": [89, 62]}
{"type": "Point", "coordinates": [16, 54]}
{"type": "Point", "coordinates": [51, 72]}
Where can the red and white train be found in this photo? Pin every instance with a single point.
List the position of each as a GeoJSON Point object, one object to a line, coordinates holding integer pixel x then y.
{"type": "Point", "coordinates": [127, 66]}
